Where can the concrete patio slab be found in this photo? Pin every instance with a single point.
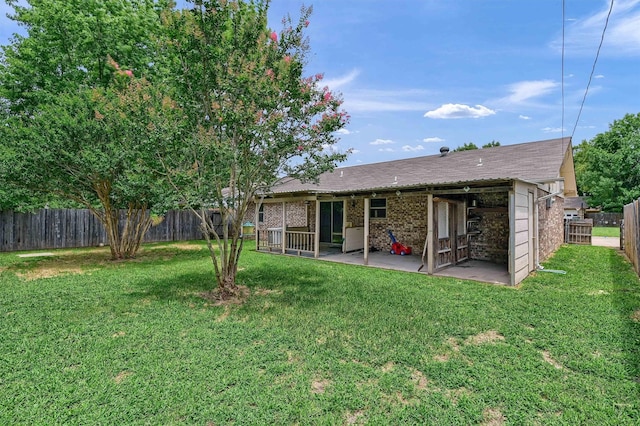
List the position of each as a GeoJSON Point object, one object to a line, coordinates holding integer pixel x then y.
{"type": "Point", "coordinates": [474, 270]}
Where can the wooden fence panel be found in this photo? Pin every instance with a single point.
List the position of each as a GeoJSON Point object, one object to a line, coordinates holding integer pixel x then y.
{"type": "Point", "coordinates": [605, 219]}
{"type": "Point", "coordinates": [631, 233]}
{"type": "Point", "coordinates": [70, 228]}
{"type": "Point", "coordinates": [578, 231]}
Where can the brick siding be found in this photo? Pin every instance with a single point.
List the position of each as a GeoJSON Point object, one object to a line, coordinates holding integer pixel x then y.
{"type": "Point", "coordinates": [492, 244]}
{"type": "Point", "coordinates": [550, 226]}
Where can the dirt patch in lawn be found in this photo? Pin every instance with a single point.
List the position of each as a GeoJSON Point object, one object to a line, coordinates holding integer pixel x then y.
{"type": "Point", "coordinates": [388, 367]}
{"type": "Point", "coordinates": [238, 297]}
{"type": "Point", "coordinates": [490, 336]}
{"type": "Point", "coordinates": [493, 417]}
{"type": "Point", "coordinates": [318, 386]}
{"type": "Point", "coordinates": [180, 246]}
{"type": "Point", "coordinates": [265, 291]}
{"type": "Point", "coordinates": [48, 272]}
{"type": "Point", "coordinates": [354, 417]}
{"type": "Point", "coordinates": [546, 355]}
{"type": "Point", "coordinates": [635, 316]}
{"type": "Point", "coordinates": [122, 376]}
{"type": "Point", "coordinates": [419, 379]}
{"type": "Point", "coordinates": [455, 394]}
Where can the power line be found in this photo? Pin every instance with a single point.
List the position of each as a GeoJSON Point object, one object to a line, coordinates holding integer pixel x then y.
{"type": "Point", "coordinates": [593, 69]}
{"type": "Point", "coordinates": [562, 78]}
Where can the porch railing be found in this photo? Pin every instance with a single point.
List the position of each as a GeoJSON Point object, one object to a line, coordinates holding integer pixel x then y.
{"type": "Point", "coordinates": [294, 241]}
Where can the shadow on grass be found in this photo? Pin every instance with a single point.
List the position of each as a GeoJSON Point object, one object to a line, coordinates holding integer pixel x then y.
{"type": "Point", "coordinates": [294, 282]}
{"type": "Point", "coordinates": [627, 301]}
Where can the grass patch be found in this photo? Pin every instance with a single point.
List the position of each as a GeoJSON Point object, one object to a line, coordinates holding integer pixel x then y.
{"type": "Point", "coordinates": [315, 342]}
{"type": "Point", "coordinates": [602, 231]}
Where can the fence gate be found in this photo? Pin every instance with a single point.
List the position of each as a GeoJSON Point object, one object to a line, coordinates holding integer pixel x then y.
{"type": "Point", "coordinates": [578, 231]}
{"type": "Point", "coordinates": [631, 233]}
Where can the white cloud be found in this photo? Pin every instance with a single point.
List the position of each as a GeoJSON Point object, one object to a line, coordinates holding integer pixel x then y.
{"type": "Point", "coordinates": [525, 90]}
{"type": "Point", "coordinates": [343, 131]}
{"type": "Point", "coordinates": [434, 139]}
{"type": "Point", "coordinates": [553, 129]}
{"type": "Point", "coordinates": [448, 111]}
{"type": "Point", "coordinates": [369, 100]}
{"type": "Point", "coordinates": [355, 151]}
{"type": "Point", "coordinates": [409, 148]}
{"type": "Point", "coordinates": [598, 76]}
{"type": "Point", "coordinates": [524, 117]}
{"type": "Point", "coordinates": [622, 38]}
{"type": "Point", "coordinates": [336, 83]}
{"type": "Point", "coordinates": [382, 142]}
{"type": "Point", "coordinates": [386, 150]}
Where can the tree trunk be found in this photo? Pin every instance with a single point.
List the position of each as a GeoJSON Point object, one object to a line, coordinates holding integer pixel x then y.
{"type": "Point", "coordinates": [225, 253]}
{"type": "Point", "coordinates": [125, 244]}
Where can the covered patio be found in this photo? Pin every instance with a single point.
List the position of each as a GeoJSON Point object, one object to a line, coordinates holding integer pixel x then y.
{"type": "Point", "coordinates": [474, 270]}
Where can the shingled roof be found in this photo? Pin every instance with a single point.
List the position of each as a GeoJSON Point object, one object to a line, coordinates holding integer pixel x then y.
{"type": "Point", "coordinates": [532, 162]}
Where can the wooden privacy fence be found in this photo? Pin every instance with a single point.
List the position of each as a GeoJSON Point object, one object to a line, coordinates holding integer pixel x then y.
{"type": "Point", "coordinates": [578, 231]}
{"type": "Point", "coordinates": [605, 219]}
{"type": "Point", "coordinates": [631, 233]}
{"type": "Point", "coordinates": [69, 228]}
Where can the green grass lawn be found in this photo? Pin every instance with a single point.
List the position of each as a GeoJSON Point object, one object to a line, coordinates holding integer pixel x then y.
{"type": "Point", "coordinates": [601, 231]}
{"type": "Point", "coordinates": [87, 341]}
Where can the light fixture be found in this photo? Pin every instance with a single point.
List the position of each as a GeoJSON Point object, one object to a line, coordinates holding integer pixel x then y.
{"type": "Point", "coordinates": [466, 189]}
{"type": "Point", "coordinates": [398, 193]}
{"type": "Point", "coordinates": [374, 195]}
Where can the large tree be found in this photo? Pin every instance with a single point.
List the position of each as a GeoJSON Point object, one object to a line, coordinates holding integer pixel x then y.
{"type": "Point", "coordinates": [56, 82]}
{"type": "Point", "coordinates": [253, 116]}
{"type": "Point", "coordinates": [86, 147]}
{"type": "Point", "coordinates": [608, 166]}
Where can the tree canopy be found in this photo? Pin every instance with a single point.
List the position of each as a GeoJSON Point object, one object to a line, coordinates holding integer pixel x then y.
{"type": "Point", "coordinates": [137, 105]}
{"type": "Point", "coordinates": [69, 131]}
{"type": "Point", "coordinates": [471, 146]}
{"type": "Point", "coordinates": [252, 116]}
{"type": "Point", "coordinates": [608, 166]}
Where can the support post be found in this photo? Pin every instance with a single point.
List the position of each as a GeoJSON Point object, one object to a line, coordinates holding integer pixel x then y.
{"type": "Point", "coordinates": [367, 203]}
{"type": "Point", "coordinates": [256, 217]}
{"type": "Point", "coordinates": [283, 237]}
{"type": "Point", "coordinates": [316, 235]}
{"type": "Point", "coordinates": [431, 243]}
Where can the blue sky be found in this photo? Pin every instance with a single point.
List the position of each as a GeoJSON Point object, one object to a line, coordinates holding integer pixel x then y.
{"type": "Point", "coordinates": [419, 74]}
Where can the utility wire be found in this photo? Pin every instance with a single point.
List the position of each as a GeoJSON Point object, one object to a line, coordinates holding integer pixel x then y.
{"type": "Point", "coordinates": [562, 79]}
{"type": "Point", "coordinates": [593, 69]}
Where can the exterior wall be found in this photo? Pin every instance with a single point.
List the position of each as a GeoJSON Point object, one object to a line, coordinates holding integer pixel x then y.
{"type": "Point", "coordinates": [406, 218]}
{"type": "Point", "coordinates": [297, 216]}
{"type": "Point", "coordinates": [355, 212]}
{"type": "Point", "coordinates": [523, 226]}
{"type": "Point", "coordinates": [492, 244]}
{"type": "Point", "coordinates": [550, 225]}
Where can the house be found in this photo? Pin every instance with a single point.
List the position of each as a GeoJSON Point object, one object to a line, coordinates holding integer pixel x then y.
{"type": "Point", "coordinates": [574, 207]}
{"type": "Point", "coordinates": [502, 205]}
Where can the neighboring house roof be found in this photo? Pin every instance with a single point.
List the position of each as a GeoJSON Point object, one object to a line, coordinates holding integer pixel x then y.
{"type": "Point", "coordinates": [540, 161]}
{"type": "Point", "coordinates": [574, 203]}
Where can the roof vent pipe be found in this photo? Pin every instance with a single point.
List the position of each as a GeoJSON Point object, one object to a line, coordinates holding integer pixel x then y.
{"type": "Point", "coordinates": [444, 151]}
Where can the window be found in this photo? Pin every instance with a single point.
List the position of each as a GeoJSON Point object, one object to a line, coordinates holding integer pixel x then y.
{"type": "Point", "coordinates": [378, 208]}
{"type": "Point", "coordinates": [443, 220]}
{"type": "Point", "coordinates": [261, 214]}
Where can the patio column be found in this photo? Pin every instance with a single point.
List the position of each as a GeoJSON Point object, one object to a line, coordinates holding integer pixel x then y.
{"type": "Point", "coordinates": [367, 203]}
{"type": "Point", "coordinates": [256, 217]}
{"type": "Point", "coordinates": [284, 227]}
{"type": "Point", "coordinates": [316, 235]}
{"type": "Point", "coordinates": [430, 243]}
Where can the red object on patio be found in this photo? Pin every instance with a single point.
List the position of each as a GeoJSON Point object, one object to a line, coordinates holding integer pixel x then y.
{"type": "Point", "coordinates": [396, 247]}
